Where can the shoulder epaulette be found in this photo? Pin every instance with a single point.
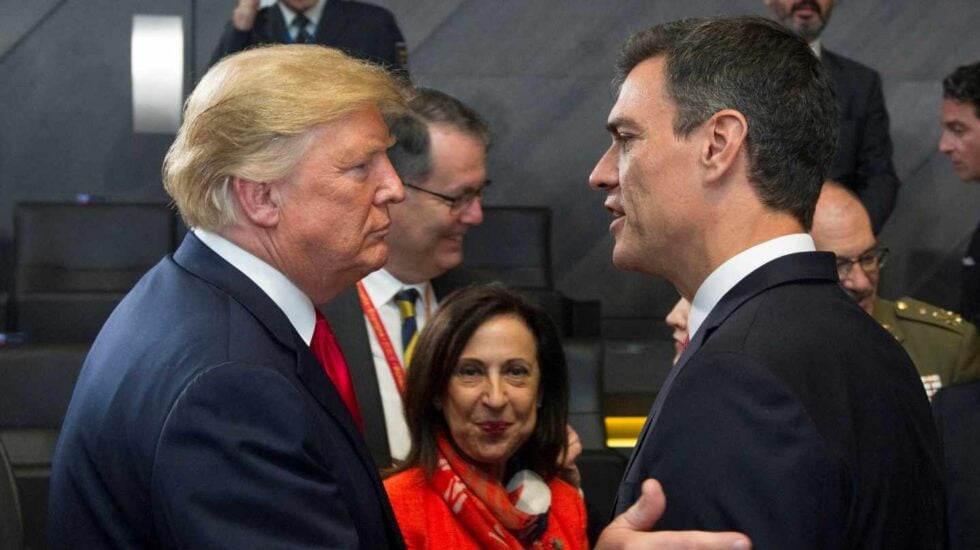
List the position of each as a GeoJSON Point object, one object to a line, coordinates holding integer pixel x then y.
{"type": "Point", "coordinates": [915, 310]}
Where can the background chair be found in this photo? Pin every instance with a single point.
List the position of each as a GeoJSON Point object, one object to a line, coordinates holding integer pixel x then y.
{"type": "Point", "coordinates": [11, 530]}
{"type": "Point", "coordinates": [513, 247]}
{"type": "Point", "coordinates": [35, 388]}
{"type": "Point", "coordinates": [74, 262]}
{"type": "Point", "coordinates": [601, 468]}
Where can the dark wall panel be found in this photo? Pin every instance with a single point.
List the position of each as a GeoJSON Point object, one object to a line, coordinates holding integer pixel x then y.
{"type": "Point", "coordinates": [539, 71]}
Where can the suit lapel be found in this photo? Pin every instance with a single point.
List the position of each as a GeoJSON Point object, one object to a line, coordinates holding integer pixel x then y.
{"type": "Point", "coordinates": [789, 268]}
{"type": "Point", "coordinates": [275, 27]}
{"type": "Point", "coordinates": [333, 20]}
{"type": "Point", "coordinates": [347, 321]}
{"type": "Point", "coordinates": [197, 258]}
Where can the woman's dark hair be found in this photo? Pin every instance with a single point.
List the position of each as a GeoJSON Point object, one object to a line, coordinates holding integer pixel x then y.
{"type": "Point", "coordinates": [438, 350]}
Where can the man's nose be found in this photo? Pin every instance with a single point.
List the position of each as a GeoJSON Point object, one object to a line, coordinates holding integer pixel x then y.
{"type": "Point", "coordinates": [605, 175]}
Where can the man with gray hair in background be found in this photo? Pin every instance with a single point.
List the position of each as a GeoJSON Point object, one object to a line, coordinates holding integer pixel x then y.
{"type": "Point", "coordinates": [440, 155]}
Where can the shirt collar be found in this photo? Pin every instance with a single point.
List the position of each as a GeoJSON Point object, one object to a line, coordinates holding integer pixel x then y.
{"type": "Point", "coordinates": [313, 14]}
{"type": "Point", "coordinates": [382, 286]}
{"type": "Point", "coordinates": [736, 268]}
{"type": "Point", "coordinates": [297, 306]}
{"type": "Point", "coordinates": [816, 47]}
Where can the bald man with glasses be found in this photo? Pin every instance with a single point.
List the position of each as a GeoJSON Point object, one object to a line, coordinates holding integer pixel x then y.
{"type": "Point", "coordinates": [944, 347]}
{"type": "Point", "coordinates": [440, 155]}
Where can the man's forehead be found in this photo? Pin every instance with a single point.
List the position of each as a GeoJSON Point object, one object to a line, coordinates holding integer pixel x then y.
{"type": "Point", "coordinates": [953, 110]}
{"type": "Point", "coordinates": [641, 89]}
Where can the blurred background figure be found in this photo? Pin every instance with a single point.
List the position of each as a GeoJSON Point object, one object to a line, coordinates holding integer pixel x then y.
{"type": "Point", "coordinates": [944, 347]}
{"type": "Point", "coordinates": [677, 320]}
{"type": "Point", "coordinates": [863, 161]}
{"type": "Point", "coordinates": [487, 410]}
{"type": "Point", "coordinates": [361, 30]}
{"type": "Point", "coordinates": [960, 141]}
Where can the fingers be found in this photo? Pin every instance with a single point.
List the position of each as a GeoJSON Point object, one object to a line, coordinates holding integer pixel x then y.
{"type": "Point", "coordinates": [645, 512]}
{"type": "Point", "coordinates": [243, 17]}
{"type": "Point", "coordinates": [630, 529]}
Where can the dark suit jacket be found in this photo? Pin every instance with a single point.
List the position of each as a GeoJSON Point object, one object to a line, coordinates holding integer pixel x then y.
{"type": "Point", "coordinates": [202, 420]}
{"type": "Point", "coordinates": [970, 298]}
{"type": "Point", "coordinates": [362, 30]}
{"type": "Point", "coordinates": [794, 418]}
{"type": "Point", "coordinates": [863, 161]}
{"type": "Point", "coordinates": [347, 321]}
{"type": "Point", "coordinates": [957, 411]}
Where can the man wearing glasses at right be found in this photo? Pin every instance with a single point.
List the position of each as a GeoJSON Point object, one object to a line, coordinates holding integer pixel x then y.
{"type": "Point", "coordinates": [440, 155]}
{"type": "Point", "coordinates": [944, 347]}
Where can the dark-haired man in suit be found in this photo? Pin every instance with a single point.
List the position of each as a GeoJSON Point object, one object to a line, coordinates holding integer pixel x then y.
{"type": "Point", "coordinates": [361, 30]}
{"type": "Point", "coordinates": [791, 415]}
{"type": "Point", "coordinates": [863, 160]}
{"type": "Point", "coordinates": [960, 141]}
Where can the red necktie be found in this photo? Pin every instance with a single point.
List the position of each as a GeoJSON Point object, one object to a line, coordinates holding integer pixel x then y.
{"type": "Point", "coordinates": [325, 348]}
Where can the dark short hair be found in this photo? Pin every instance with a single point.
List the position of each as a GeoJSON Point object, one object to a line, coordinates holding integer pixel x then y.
{"type": "Point", "coordinates": [411, 155]}
{"type": "Point", "coordinates": [438, 350]}
{"type": "Point", "coordinates": [963, 85]}
{"type": "Point", "coordinates": [764, 71]}
{"type": "Point", "coordinates": [433, 106]}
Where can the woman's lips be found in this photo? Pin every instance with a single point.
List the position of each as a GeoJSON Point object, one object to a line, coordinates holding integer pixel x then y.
{"type": "Point", "coordinates": [494, 427]}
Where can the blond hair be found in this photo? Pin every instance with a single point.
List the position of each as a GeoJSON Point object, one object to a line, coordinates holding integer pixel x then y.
{"type": "Point", "coordinates": [251, 116]}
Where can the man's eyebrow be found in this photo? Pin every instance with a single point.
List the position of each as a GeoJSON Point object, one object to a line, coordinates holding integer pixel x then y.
{"type": "Point", "coordinates": [618, 122]}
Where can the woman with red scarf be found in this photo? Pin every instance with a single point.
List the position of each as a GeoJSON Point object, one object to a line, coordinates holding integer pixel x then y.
{"type": "Point", "coordinates": [487, 408]}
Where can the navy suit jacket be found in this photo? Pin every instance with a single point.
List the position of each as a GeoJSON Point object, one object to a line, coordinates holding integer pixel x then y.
{"type": "Point", "coordinates": [202, 420]}
{"type": "Point", "coordinates": [863, 161]}
{"type": "Point", "coordinates": [362, 30]}
{"type": "Point", "coordinates": [794, 418]}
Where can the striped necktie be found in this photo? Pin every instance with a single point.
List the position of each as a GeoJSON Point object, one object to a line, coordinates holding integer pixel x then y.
{"type": "Point", "coordinates": [405, 300]}
{"type": "Point", "coordinates": [300, 22]}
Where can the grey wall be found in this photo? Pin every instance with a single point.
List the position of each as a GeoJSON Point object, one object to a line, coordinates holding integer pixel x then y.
{"type": "Point", "coordinates": [538, 70]}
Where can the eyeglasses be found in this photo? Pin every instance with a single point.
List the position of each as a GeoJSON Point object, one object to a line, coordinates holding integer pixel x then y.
{"type": "Point", "coordinates": [458, 203]}
{"type": "Point", "coordinates": [870, 262]}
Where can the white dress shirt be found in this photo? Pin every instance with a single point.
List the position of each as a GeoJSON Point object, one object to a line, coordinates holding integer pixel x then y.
{"type": "Point", "coordinates": [736, 268]}
{"type": "Point", "coordinates": [297, 306]}
{"type": "Point", "coordinates": [381, 287]}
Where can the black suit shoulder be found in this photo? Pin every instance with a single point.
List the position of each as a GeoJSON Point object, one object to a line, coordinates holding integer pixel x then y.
{"type": "Point", "coordinates": [787, 430]}
{"type": "Point", "coordinates": [362, 30]}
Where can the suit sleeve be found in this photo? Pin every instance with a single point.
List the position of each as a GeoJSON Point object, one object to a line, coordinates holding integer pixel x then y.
{"type": "Point", "coordinates": [394, 51]}
{"type": "Point", "coordinates": [232, 41]}
{"type": "Point", "coordinates": [877, 181]}
{"type": "Point", "coordinates": [233, 468]}
{"type": "Point", "coordinates": [735, 450]}
{"type": "Point", "coordinates": [967, 358]}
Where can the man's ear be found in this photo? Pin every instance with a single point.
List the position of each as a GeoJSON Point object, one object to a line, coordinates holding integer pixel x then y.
{"type": "Point", "coordinates": [257, 200]}
{"type": "Point", "coordinates": [727, 132]}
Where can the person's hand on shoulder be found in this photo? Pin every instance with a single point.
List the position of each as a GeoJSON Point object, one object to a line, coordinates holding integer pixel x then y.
{"type": "Point", "coordinates": [243, 16]}
{"type": "Point", "coordinates": [630, 529]}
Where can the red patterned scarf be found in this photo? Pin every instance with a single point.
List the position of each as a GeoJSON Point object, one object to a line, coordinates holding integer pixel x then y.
{"type": "Point", "coordinates": [481, 504]}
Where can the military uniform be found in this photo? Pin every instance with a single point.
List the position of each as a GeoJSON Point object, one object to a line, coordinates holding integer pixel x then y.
{"type": "Point", "coordinates": [944, 347]}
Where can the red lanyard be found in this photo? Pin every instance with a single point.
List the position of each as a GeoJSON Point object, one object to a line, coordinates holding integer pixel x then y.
{"type": "Point", "coordinates": [391, 357]}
